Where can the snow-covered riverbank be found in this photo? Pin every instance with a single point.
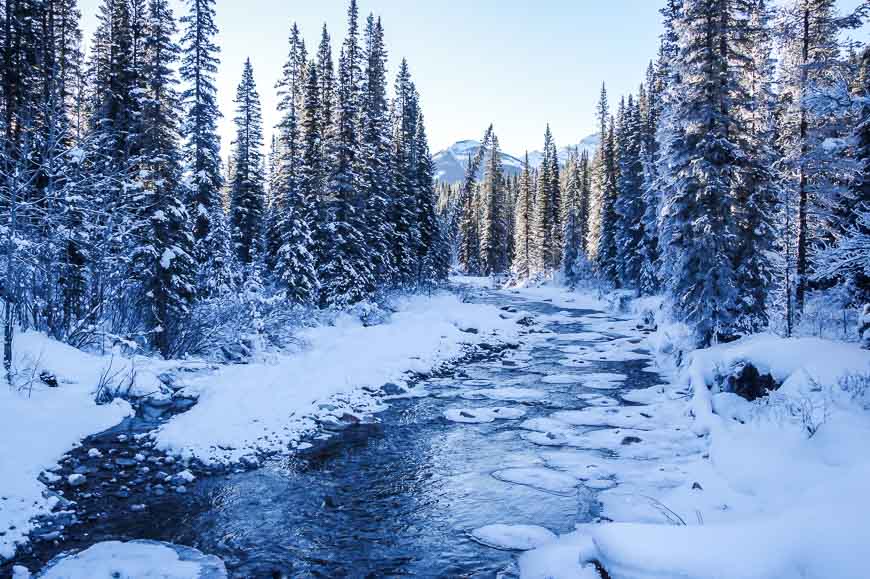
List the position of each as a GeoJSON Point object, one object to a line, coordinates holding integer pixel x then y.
{"type": "Point", "coordinates": [724, 487]}
{"type": "Point", "coordinates": [266, 405]}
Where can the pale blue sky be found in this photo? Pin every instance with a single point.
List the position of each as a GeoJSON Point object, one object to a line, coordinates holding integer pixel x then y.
{"type": "Point", "coordinates": [516, 63]}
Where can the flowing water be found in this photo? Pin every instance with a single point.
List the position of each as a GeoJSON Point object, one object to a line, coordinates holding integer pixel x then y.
{"type": "Point", "coordinates": [398, 496]}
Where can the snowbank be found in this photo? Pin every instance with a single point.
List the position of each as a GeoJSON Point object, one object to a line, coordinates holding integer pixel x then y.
{"type": "Point", "coordinates": [799, 364]}
{"type": "Point", "coordinates": [39, 424]}
{"type": "Point", "coordinates": [263, 407]}
{"type": "Point", "coordinates": [775, 488]}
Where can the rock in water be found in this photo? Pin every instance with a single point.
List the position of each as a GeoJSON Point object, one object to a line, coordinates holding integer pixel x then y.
{"type": "Point", "coordinates": [76, 480]}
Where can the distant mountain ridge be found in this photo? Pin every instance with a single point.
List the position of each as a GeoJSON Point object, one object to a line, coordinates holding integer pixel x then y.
{"type": "Point", "coordinates": [451, 162]}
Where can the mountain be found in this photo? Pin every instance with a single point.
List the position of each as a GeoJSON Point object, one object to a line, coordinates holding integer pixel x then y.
{"type": "Point", "coordinates": [588, 144]}
{"type": "Point", "coordinates": [451, 162]}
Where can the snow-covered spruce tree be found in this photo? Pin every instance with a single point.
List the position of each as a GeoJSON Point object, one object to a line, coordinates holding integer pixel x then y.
{"type": "Point", "coordinates": [295, 265]}
{"type": "Point", "coordinates": [375, 175]}
{"type": "Point", "coordinates": [248, 195]}
{"type": "Point", "coordinates": [710, 168]}
{"type": "Point", "coordinates": [468, 230]}
{"type": "Point", "coordinates": [493, 229]}
{"type": "Point", "coordinates": [813, 83]}
{"type": "Point", "coordinates": [584, 201]}
{"type": "Point", "coordinates": [523, 215]}
{"type": "Point", "coordinates": [629, 207]}
{"type": "Point", "coordinates": [199, 65]}
{"type": "Point", "coordinates": [511, 186]}
{"type": "Point", "coordinates": [345, 274]}
{"type": "Point", "coordinates": [224, 272]}
{"type": "Point", "coordinates": [553, 186]}
{"type": "Point", "coordinates": [572, 227]}
{"type": "Point", "coordinates": [273, 206]}
{"type": "Point", "coordinates": [433, 253]}
{"type": "Point", "coordinates": [466, 215]}
{"type": "Point", "coordinates": [651, 109]}
{"type": "Point", "coordinates": [312, 167]}
{"type": "Point", "coordinates": [605, 187]}
{"type": "Point", "coordinates": [668, 129]}
{"type": "Point", "coordinates": [403, 212]}
{"type": "Point", "coordinates": [753, 184]}
{"type": "Point", "coordinates": [112, 154]}
{"type": "Point", "coordinates": [161, 259]}
{"type": "Point", "coordinates": [546, 218]}
{"type": "Point", "coordinates": [326, 80]}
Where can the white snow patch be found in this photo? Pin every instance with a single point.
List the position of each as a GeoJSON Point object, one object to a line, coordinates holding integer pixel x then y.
{"type": "Point", "coordinates": [513, 537]}
{"type": "Point", "coordinates": [133, 560]}
{"type": "Point", "coordinates": [483, 415]}
{"type": "Point", "coordinates": [504, 393]}
{"type": "Point", "coordinates": [539, 478]}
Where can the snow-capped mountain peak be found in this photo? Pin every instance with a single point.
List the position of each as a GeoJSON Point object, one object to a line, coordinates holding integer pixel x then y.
{"type": "Point", "coordinates": [450, 163]}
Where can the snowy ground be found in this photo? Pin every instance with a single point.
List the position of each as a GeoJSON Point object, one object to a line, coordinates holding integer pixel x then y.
{"type": "Point", "coordinates": [267, 405]}
{"type": "Point", "coordinates": [270, 405]}
{"type": "Point", "coordinates": [721, 487]}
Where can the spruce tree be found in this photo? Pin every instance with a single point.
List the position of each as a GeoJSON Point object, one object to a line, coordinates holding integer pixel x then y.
{"type": "Point", "coordinates": [345, 273]}
{"type": "Point", "coordinates": [650, 111]}
{"type": "Point", "coordinates": [432, 252]}
{"type": "Point", "coordinates": [553, 186]}
{"type": "Point", "coordinates": [629, 208]}
{"type": "Point", "coordinates": [326, 80]}
{"type": "Point", "coordinates": [403, 203]}
{"type": "Point", "coordinates": [572, 224]}
{"type": "Point", "coordinates": [162, 258]}
{"type": "Point", "coordinates": [523, 215]}
{"type": "Point", "coordinates": [248, 194]}
{"type": "Point", "coordinates": [493, 230]}
{"type": "Point", "coordinates": [375, 174]}
{"type": "Point", "coordinates": [295, 261]}
{"type": "Point", "coordinates": [545, 251]}
{"type": "Point", "coordinates": [755, 189]}
{"type": "Point", "coordinates": [198, 68]}
{"type": "Point", "coordinates": [606, 196]}
{"type": "Point", "coordinates": [710, 169]}
{"type": "Point", "coordinates": [311, 176]}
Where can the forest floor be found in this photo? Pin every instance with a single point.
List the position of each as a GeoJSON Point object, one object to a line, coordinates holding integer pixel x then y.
{"type": "Point", "coordinates": [567, 438]}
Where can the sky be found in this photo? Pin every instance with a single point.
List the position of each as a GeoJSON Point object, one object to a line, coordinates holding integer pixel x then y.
{"type": "Point", "coordinates": [519, 64]}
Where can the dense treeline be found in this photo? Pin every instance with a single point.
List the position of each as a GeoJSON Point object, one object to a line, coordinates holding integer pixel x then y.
{"type": "Point", "coordinates": [735, 181]}
{"type": "Point", "coordinates": [117, 218]}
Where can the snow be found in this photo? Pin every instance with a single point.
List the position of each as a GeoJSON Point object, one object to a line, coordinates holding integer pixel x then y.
{"type": "Point", "coordinates": [711, 485]}
{"type": "Point", "coordinates": [513, 537]}
{"type": "Point", "coordinates": [483, 415]}
{"type": "Point", "coordinates": [136, 560]}
{"type": "Point", "coordinates": [504, 393]}
{"type": "Point", "coordinates": [539, 478]}
{"type": "Point", "coordinates": [269, 405]}
{"type": "Point", "coordinates": [38, 425]}
{"type": "Point", "coordinates": [166, 258]}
